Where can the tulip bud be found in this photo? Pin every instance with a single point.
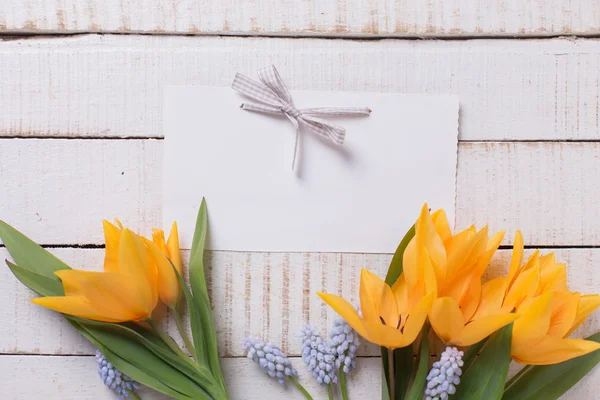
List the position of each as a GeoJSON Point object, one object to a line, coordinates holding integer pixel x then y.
{"type": "Point", "coordinates": [168, 282]}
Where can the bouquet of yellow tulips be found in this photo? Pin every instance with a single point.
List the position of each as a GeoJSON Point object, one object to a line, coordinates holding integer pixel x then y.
{"type": "Point", "coordinates": [434, 292]}
{"type": "Point", "coordinates": [113, 309]}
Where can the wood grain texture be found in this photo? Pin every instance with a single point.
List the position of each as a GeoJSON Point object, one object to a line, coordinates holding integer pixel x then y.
{"type": "Point", "coordinates": [59, 378]}
{"type": "Point", "coordinates": [271, 295]}
{"type": "Point", "coordinates": [58, 191]}
{"type": "Point", "coordinates": [111, 86]}
{"type": "Point", "coordinates": [313, 17]}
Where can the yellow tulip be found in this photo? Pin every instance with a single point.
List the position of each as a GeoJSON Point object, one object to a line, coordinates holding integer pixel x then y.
{"type": "Point", "coordinates": [459, 261]}
{"type": "Point", "coordinates": [539, 335]}
{"type": "Point", "coordinates": [166, 256]}
{"type": "Point", "coordinates": [391, 316]}
{"type": "Point", "coordinates": [125, 291]}
{"type": "Point", "coordinates": [538, 275]}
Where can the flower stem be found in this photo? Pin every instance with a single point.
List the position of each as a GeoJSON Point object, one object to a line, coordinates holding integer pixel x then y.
{"type": "Point", "coordinates": [300, 387]}
{"type": "Point", "coordinates": [329, 392]}
{"type": "Point", "coordinates": [183, 333]}
{"type": "Point", "coordinates": [343, 389]}
{"type": "Point", "coordinates": [391, 374]}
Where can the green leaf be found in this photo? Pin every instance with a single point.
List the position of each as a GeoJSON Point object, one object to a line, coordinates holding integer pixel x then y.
{"type": "Point", "coordinates": [485, 379]}
{"type": "Point", "coordinates": [385, 384]}
{"type": "Point", "coordinates": [144, 359]}
{"type": "Point", "coordinates": [28, 254]}
{"type": "Point", "coordinates": [403, 366]}
{"type": "Point", "coordinates": [38, 283]}
{"type": "Point", "coordinates": [396, 267]}
{"type": "Point", "coordinates": [197, 277]}
{"type": "Point", "coordinates": [549, 382]}
{"type": "Point", "coordinates": [200, 374]}
{"type": "Point", "coordinates": [472, 352]}
{"type": "Point", "coordinates": [203, 325]}
{"type": "Point", "coordinates": [128, 368]}
{"type": "Point", "coordinates": [403, 358]}
{"type": "Point", "coordinates": [418, 386]}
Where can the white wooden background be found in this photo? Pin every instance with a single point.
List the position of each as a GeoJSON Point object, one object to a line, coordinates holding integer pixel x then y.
{"type": "Point", "coordinates": [80, 140]}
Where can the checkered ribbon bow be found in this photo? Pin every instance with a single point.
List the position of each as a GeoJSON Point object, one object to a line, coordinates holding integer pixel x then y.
{"type": "Point", "coordinates": [274, 98]}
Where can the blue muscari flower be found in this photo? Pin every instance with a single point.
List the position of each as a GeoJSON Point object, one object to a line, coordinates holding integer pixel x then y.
{"type": "Point", "coordinates": [445, 375]}
{"type": "Point", "coordinates": [119, 383]}
{"type": "Point", "coordinates": [318, 356]}
{"type": "Point", "coordinates": [270, 358]}
{"type": "Point", "coordinates": [344, 341]}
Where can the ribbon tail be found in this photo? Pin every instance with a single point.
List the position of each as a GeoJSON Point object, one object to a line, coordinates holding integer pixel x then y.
{"type": "Point", "coordinates": [294, 121]}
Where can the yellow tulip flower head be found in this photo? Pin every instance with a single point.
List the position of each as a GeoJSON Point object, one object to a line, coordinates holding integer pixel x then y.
{"type": "Point", "coordinates": [391, 316]}
{"type": "Point", "coordinates": [458, 263]}
{"type": "Point", "coordinates": [539, 335]}
{"type": "Point", "coordinates": [166, 256]}
{"type": "Point", "coordinates": [127, 290]}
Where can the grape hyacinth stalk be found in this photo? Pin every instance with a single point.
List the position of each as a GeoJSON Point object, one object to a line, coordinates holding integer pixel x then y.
{"type": "Point", "coordinates": [445, 375]}
{"type": "Point", "coordinates": [344, 341]}
{"type": "Point", "coordinates": [119, 383]}
{"type": "Point", "coordinates": [319, 357]}
{"type": "Point", "coordinates": [272, 361]}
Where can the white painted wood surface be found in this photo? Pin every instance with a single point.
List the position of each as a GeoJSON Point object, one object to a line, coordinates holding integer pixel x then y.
{"type": "Point", "coordinates": [267, 294]}
{"type": "Point", "coordinates": [111, 86]}
{"type": "Point", "coordinates": [66, 187]}
{"type": "Point", "coordinates": [93, 90]}
{"type": "Point", "coordinates": [309, 17]}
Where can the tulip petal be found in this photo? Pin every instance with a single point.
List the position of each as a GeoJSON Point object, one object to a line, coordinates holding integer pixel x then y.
{"type": "Point", "coordinates": [564, 310]}
{"type": "Point", "coordinates": [168, 282]}
{"type": "Point", "coordinates": [371, 293]}
{"type": "Point", "coordinates": [440, 221]}
{"type": "Point", "coordinates": [446, 318]}
{"type": "Point", "coordinates": [112, 235]}
{"type": "Point", "coordinates": [133, 261]}
{"type": "Point", "coordinates": [173, 248]}
{"type": "Point", "coordinates": [78, 306]}
{"type": "Point", "coordinates": [533, 323]}
{"type": "Point", "coordinates": [471, 299]}
{"type": "Point", "coordinates": [347, 312]}
{"type": "Point", "coordinates": [525, 285]}
{"type": "Point", "coordinates": [427, 236]}
{"type": "Point", "coordinates": [416, 319]}
{"type": "Point", "coordinates": [400, 291]}
{"type": "Point", "coordinates": [492, 295]}
{"type": "Point", "coordinates": [587, 305]}
{"type": "Point", "coordinates": [481, 328]}
{"type": "Point", "coordinates": [553, 350]}
{"type": "Point", "coordinates": [110, 293]}
{"type": "Point", "coordinates": [516, 260]}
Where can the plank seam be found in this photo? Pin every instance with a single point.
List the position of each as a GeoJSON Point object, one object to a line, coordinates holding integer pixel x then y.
{"type": "Point", "coordinates": [16, 35]}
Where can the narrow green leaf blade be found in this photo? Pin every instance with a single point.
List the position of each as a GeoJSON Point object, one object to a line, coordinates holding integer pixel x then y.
{"type": "Point", "coordinates": [472, 352]}
{"type": "Point", "coordinates": [418, 386]}
{"type": "Point", "coordinates": [396, 266]}
{"type": "Point", "coordinates": [485, 379]}
{"type": "Point", "coordinates": [128, 368]}
{"type": "Point", "coordinates": [40, 284]}
{"type": "Point", "coordinates": [28, 254]}
{"type": "Point", "coordinates": [385, 370]}
{"type": "Point", "coordinates": [144, 359]}
{"type": "Point", "coordinates": [197, 277]}
{"type": "Point", "coordinates": [199, 295]}
{"type": "Point", "coordinates": [549, 382]}
{"type": "Point", "coordinates": [403, 364]}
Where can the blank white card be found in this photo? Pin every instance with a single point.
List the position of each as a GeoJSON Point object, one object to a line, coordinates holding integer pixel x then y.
{"type": "Point", "coordinates": [359, 197]}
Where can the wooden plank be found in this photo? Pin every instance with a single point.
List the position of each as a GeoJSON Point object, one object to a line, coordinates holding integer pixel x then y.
{"type": "Point", "coordinates": [58, 191]}
{"type": "Point", "coordinates": [540, 188]}
{"type": "Point", "coordinates": [61, 378]}
{"type": "Point", "coordinates": [271, 295]}
{"type": "Point", "coordinates": [402, 18]}
{"type": "Point", "coordinates": [111, 86]}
